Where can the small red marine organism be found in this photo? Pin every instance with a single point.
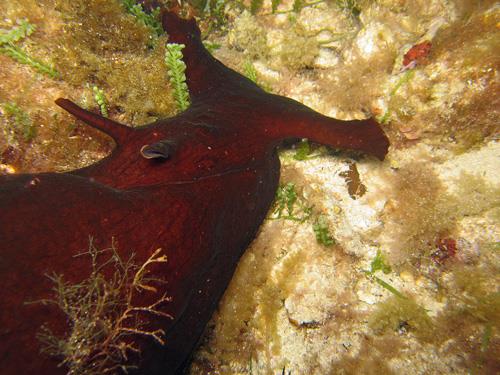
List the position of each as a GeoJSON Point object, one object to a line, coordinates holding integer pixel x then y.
{"type": "Point", "coordinates": [416, 55]}
{"type": "Point", "coordinates": [446, 249]}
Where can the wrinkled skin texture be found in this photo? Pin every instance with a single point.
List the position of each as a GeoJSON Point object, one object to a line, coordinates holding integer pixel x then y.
{"type": "Point", "coordinates": [199, 190]}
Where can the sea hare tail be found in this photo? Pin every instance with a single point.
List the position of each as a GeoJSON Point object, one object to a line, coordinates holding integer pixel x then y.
{"type": "Point", "coordinates": [114, 129]}
{"type": "Point", "coordinates": [360, 135]}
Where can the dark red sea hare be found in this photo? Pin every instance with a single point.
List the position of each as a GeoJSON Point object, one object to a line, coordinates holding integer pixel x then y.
{"type": "Point", "coordinates": [201, 199]}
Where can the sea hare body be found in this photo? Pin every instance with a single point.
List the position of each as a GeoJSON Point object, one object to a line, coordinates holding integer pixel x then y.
{"type": "Point", "coordinates": [198, 186]}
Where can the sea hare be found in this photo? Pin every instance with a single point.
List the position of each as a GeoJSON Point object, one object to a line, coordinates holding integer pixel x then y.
{"type": "Point", "coordinates": [197, 185]}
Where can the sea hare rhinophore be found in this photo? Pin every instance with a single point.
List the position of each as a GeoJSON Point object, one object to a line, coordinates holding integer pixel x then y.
{"type": "Point", "coordinates": [198, 186]}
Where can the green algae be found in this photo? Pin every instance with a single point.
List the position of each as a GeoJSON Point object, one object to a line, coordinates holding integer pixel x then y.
{"type": "Point", "coordinates": [21, 31]}
{"type": "Point", "coordinates": [22, 57]}
{"type": "Point", "coordinates": [21, 124]}
{"type": "Point", "coordinates": [8, 47]}
{"type": "Point", "coordinates": [289, 205]}
{"type": "Point", "coordinates": [100, 98]}
{"type": "Point", "coordinates": [151, 20]}
{"type": "Point", "coordinates": [176, 73]}
{"type": "Point", "coordinates": [322, 231]}
{"type": "Point", "coordinates": [380, 264]}
{"type": "Point", "coordinates": [250, 71]}
{"type": "Point", "coordinates": [302, 150]}
{"type": "Point", "coordinates": [403, 315]}
{"type": "Point", "coordinates": [405, 77]}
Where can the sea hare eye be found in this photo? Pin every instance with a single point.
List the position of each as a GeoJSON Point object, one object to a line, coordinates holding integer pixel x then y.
{"type": "Point", "coordinates": [158, 150]}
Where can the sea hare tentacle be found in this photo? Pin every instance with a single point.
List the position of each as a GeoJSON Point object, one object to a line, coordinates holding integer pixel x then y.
{"type": "Point", "coordinates": [112, 128]}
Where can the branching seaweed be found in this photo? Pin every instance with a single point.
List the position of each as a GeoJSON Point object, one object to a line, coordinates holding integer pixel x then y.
{"type": "Point", "coordinates": [22, 124]}
{"type": "Point", "coordinates": [17, 33]}
{"type": "Point", "coordinates": [21, 56]}
{"type": "Point", "coordinates": [102, 315]}
{"type": "Point", "coordinates": [101, 100]}
{"type": "Point", "coordinates": [289, 206]}
{"type": "Point", "coordinates": [405, 78]}
{"type": "Point", "coordinates": [303, 150]}
{"type": "Point", "coordinates": [378, 264]}
{"type": "Point", "coordinates": [249, 71]}
{"type": "Point", "coordinates": [322, 231]}
{"type": "Point", "coordinates": [215, 8]}
{"type": "Point", "coordinates": [151, 20]}
{"type": "Point", "coordinates": [211, 46]}
{"type": "Point", "coordinates": [8, 48]}
{"type": "Point", "coordinates": [176, 73]}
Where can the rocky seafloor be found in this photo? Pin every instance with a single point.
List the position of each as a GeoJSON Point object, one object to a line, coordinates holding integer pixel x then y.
{"type": "Point", "coordinates": [362, 267]}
